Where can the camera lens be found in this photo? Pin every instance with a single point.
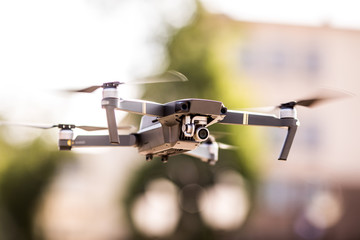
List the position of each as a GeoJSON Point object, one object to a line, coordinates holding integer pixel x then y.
{"type": "Point", "coordinates": [201, 134]}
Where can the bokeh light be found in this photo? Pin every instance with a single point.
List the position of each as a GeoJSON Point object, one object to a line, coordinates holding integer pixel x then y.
{"type": "Point", "coordinates": [156, 212]}
{"type": "Point", "coordinates": [226, 204]}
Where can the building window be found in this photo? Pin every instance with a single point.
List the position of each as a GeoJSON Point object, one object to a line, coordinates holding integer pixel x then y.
{"type": "Point", "coordinates": [312, 62]}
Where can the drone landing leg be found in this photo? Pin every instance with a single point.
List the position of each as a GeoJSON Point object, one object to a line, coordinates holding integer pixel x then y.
{"type": "Point", "coordinates": [255, 119]}
{"type": "Point", "coordinates": [288, 142]}
{"type": "Point", "coordinates": [113, 132]}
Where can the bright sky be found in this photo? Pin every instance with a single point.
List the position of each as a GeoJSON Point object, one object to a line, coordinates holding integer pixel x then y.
{"type": "Point", "coordinates": [49, 45]}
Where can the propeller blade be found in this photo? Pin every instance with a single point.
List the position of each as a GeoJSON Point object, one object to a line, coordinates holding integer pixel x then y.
{"type": "Point", "coordinates": [68, 126]}
{"type": "Point", "coordinates": [29, 125]}
{"type": "Point", "coordinates": [95, 87]}
{"type": "Point", "coordinates": [85, 90]}
{"type": "Point", "coordinates": [309, 102]}
{"type": "Point", "coordinates": [226, 146]}
{"type": "Point", "coordinates": [91, 128]}
{"type": "Point", "coordinates": [89, 89]}
{"type": "Point", "coordinates": [168, 76]}
{"type": "Point", "coordinates": [322, 96]}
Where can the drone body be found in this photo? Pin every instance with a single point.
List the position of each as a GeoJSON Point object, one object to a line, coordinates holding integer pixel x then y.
{"type": "Point", "coordinates": [176, 127]}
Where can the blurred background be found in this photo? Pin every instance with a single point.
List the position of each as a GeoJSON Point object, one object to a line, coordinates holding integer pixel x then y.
{"type": "Point", "coordinates": [245, 54]}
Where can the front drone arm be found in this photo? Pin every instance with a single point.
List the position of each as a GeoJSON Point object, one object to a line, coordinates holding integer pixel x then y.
{"type": "Point", "coordinates": [135, 106]}
{"type": "Point", "coordinates": [254, 119]}
{"type": "Point", "coordinates": [142, 107]}
{"type": "Point", "coordinates": [112, 103]}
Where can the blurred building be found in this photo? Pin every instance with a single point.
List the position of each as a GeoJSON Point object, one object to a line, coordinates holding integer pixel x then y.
{"type": "Point", "coordinates": [314, 194]}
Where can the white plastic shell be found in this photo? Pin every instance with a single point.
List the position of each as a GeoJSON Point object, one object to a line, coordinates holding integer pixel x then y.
{"type": "Point", "coordinates": [288, 113]}
{"type": "Point", "coordinates": [66, 134]}
{"type": "Point", "coordinates": [110, 93]}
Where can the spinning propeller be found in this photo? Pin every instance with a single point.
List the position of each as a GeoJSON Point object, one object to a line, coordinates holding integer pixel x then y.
{"type": "Point", "coordinates": [64, 126]}
{"type": "Point", "coordinates": [169, 76]}
{"type": "Point", "coordinates": [311, 102]}
{"type": "Point", "coordinates": [324, 96]}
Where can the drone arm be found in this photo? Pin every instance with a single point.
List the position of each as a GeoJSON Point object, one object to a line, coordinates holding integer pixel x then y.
{"type": "Point", "coordinates": [103, 141]}
{"type": "Point", "coordinates": [141, 107]}
{"type": "Point", "coordinates": [247, 118]}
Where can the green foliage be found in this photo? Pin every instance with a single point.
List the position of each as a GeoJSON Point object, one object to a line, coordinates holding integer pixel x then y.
{"type": "Point", "coordinates": [24, 174]}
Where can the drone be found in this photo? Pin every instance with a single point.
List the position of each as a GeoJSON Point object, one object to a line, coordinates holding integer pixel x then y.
{"type": "Point", "coordinates": [176, 127]}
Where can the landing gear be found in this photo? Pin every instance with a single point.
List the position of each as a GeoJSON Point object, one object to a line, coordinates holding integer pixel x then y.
{"type": "Point", "coordinates": [149, 157]}
{"type": "Point", "coordinates": [211, 162]}
{"type": "Point", "coordinates": [164, 158]}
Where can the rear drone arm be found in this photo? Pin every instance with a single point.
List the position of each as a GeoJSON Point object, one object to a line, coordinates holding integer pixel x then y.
{"type": "Point", "coordinates": [103, 141]}
{"type": "Point", "coordinates": [255, 119]}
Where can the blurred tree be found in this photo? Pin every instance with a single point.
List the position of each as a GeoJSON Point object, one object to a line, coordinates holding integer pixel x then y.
{"type": "Point", "coordinates": [205, 52]}
{"type": "Point", "coordinates": [25, 172]}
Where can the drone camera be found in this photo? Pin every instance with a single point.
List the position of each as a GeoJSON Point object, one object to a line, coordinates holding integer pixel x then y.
{"type": "Point", "coordinates": [201, 134]}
